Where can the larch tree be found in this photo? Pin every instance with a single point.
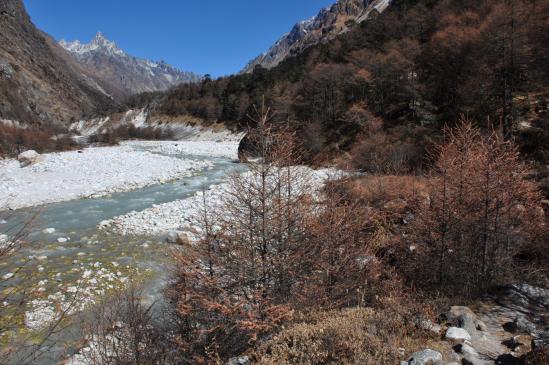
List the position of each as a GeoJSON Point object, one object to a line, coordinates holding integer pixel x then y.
{"type": "Point", "coordinates": [482, 211]}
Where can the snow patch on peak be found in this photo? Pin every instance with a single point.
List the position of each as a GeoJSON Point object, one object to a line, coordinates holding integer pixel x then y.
{"type": "Point", "coordinates": [98, 43]}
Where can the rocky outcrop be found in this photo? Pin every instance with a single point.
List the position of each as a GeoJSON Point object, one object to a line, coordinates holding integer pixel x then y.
{"type": "Point", "coordinates": [329, 23]}
{"type": "Point", "coordinates": [508, 327]}
{"type": "Point", "coordinates": [457, 335]}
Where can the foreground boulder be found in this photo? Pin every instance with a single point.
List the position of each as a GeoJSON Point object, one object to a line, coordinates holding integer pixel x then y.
{"type": "Point", "coordinates": [28, 158]}
{"type": "Point", "coordinates": [464, 317]}
{"type": "Point", "coordinates": [424, 357]}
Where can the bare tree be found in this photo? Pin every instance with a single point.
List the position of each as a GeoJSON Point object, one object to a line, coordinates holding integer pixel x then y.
{"type": "Point", "coordinates": [233, 285]}
{"type": "Point", "coordinates": [482, 212]}
{"type": "Point", "coordinates": [122, 330]}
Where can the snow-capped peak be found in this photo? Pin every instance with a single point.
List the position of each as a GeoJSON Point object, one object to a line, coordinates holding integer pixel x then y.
{"type": "Point", "coordinates": [98, 43]}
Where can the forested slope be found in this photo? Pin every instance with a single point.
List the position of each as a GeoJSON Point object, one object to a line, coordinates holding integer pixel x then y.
{"type": "Point", "coordinates": [388, 86]}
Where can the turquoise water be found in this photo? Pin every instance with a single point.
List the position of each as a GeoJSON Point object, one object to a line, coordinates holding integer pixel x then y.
{"type": "Point", "coordinates": [76, 221]}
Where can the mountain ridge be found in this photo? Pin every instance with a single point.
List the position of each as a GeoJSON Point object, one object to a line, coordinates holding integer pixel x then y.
{"type": "Point", "coordinates": [124, 74]}
{"type": "Point", "coordinates": [326, 25]}
{"type": "Point", "coordinates": [39, 83]}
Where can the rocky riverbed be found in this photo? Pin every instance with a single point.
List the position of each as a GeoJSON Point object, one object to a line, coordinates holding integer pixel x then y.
{"type": "Point", "coordinates": [66, 264]}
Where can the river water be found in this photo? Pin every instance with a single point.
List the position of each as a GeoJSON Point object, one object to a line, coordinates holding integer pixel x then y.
{"type": "Point", "coordinates": [57, 261]}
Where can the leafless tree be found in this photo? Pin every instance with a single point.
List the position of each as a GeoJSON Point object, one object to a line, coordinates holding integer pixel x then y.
{"type": "Point", "coordinates": [482, 211]}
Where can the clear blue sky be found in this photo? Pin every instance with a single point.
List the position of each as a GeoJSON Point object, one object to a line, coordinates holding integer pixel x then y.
{"type": "Point", "coordinates": [205, 36]}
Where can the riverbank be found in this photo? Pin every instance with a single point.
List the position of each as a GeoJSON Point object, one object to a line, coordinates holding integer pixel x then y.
{"type": "Point", "coordinates": [101, 171]}
{"type": "Point", "coordinates": [183, 214]}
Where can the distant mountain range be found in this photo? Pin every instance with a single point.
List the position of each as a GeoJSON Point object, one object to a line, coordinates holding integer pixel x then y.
{"type": "Point", "coordinates": [45, 82]}
{"type": "Point", "coordinates": [326, 25]}
{"type": "Point", "coordinates": [122, 74]}
{"type": "Point", "coordinates": [42, 81]}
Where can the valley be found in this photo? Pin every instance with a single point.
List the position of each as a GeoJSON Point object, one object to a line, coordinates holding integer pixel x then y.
{"type": "Point", "coordinates": [371, 189]}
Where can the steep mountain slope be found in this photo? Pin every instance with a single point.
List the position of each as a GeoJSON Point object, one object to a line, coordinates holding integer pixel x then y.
{"type": "Point", "coordinates": [121, 74]}
{"type": "Point", "coordinates": [38, 84]}
{"type": "Point", "coordinates": [326, 25]}
{"type": "Point", "coordinates": [380, 93]}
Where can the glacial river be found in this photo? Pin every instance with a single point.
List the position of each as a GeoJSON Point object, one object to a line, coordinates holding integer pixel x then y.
{"type": "Point", "coordinates": [56, 261]}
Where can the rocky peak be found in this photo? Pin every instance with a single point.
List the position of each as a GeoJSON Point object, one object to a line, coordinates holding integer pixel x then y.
{"type": "Point", "coordinates": [98, 44]}
{"type": "Point", "coordinates": [121, 74]}
{"type": "Point", "coordinates": [326, 25]}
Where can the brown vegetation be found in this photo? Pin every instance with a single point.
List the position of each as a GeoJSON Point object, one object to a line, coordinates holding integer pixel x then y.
{"type": "Point", "coordinates": [129, 131]}
{"type": "Point", "coordinates": [352, 336]}
{"type": "Point", "coordinates": [275, 253]}
{"type": "Point", "coordinates": [274, 248]}
{"type": "Point", "coordinates": [482, 212]}
{"type": "Point", "coordinates": [14, 140]}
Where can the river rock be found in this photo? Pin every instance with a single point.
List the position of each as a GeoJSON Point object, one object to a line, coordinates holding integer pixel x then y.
{"type": "Point", "coordinates": [172, 237]}
{"type": "Point", "coordinates": [28, 158]}
{"type": "Point", "coordinates": [49, 231]}
{"type": "Point", "coordinates": [456, 335]}
{"type": "Point", "coordinates": [240, 360]}
{"type": "Point", "coordinates": [62, 240]}
{"type": "Point", "coordinates": [424, 357]}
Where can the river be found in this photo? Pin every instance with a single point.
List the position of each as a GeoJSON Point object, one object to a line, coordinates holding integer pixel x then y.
{"type": "Point", "coordinates": [57, 261]}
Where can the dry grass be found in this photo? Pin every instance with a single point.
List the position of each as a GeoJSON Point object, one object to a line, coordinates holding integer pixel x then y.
{"type": "Point", "coordinates": [379, 190]}
{"type": "Point", "coordinates": [351, 336]}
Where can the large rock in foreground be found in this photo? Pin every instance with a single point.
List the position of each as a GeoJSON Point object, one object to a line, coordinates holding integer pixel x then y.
{"type": "Point", "coordinates": [28, 158]}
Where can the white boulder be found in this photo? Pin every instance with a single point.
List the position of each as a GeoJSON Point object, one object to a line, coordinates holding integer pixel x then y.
{"type": "Point", "coordinates": [457, 335]}
{"type": "Point", "coordinates": [424, 357]}
{"type": "Point", "coordinates": [28, 158]}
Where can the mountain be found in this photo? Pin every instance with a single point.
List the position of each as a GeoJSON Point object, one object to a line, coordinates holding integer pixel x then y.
{"type": "Point", "coordinates": [122, 75]}
{"type": "Point", "coordinates": [329, 23]}
{"type": "Point", "coordinates": [39, 81]}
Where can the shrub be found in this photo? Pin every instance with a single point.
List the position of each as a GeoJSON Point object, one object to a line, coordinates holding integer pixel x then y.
{"type": "Point", "coordinates": [129, 131]}
{"type": "Point", "coordinates": [349, 336]}
{"type": "Point", "coordinates": [14, 140]}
